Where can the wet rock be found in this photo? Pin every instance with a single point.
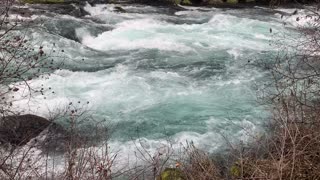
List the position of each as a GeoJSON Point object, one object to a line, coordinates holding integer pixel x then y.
{"type": "Point", "coordinates": [20, 129]}
{"type": "Point", "coordinates": [52, 139]}
{"type": "Point", "coordinates": [72, 29]}
{"type": "Point", "coordinates": [119, 9]}
{"type": "Point", "coordinates": [22, 11]}
{"type": "Point", "coordinates": [64, 9]}
{"type": "Point", "coordinates": [35, 131]}
{"type": "Point", "coordinates": [53, 2]}
{"type": "Point", "coordinates": [43, 1]}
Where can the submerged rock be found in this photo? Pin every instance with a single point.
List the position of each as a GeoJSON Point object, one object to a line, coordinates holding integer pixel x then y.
{"type": "Point", "coordinates": [119, 9]}
{"type": "Point", "coordinates": [74, 30]}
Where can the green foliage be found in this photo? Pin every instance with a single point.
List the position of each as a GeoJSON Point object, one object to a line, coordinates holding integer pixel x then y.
{"type": "Point", "coordinates": [171, 174]}
{"type": "Point", "coordinates": [43, 1]}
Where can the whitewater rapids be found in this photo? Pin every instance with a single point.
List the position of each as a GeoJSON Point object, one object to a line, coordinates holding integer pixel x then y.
{"type": "Point", "coordinates": [161, 75]}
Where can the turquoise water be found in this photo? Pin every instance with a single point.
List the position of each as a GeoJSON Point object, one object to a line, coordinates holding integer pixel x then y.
{"type": "Point", "coordinates": [159, 74]}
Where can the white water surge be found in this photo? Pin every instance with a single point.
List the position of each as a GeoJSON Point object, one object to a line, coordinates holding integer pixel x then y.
{"type": "Point", "coordinates": [156, 74]}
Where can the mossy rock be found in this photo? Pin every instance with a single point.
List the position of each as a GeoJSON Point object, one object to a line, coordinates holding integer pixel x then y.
{"type": "Point", "coordinates": [171, 174]}
{"type": "Point", "coordinates": [186, 2]}
{"type": "Point", "coordinates": [43, 1]}
{"type": "Point", "coordinates": [176, 1]}
{"type": "Point", "coordinates": [214, 2]}
{"type": "Point", "coordinates": [232, 1]}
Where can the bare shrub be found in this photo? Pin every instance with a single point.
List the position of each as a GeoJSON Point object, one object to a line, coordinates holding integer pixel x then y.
{"type": "Point", "coordinates": [198, 165]}
{"type": "Point", "coordinates": [20, 60]}
{"type": "Point", "coordinates": [291, 150]}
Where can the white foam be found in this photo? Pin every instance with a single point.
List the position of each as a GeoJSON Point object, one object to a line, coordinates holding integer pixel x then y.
{"type": "Point", "coordinates": [222, 31]}
{"type": "Point", "coordinates": [135, 34]}
{"type": "Point", "coordinates": [235, 53]}
{"type": "Point", "coordinates": [97, 10]}
{"type": "Point", "coordinates": [117, 91]}
{"type": "Point", "coordinates": [197, 8]}
{"type": "Point", "coordinates": [210, 141]}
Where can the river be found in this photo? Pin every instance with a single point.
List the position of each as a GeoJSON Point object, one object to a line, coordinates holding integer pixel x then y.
{"type": "Point", "coordinates": [159, 74]}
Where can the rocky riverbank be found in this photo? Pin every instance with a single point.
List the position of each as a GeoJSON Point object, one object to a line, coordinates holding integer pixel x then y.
{"type": "Point", "coordinates": [209, 3]}
{"type": "Point", "coordinates": [76, 7]}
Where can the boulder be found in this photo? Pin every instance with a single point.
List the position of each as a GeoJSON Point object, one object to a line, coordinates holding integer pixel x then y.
{"type": "Point", "coordinates": [35, 131]}
{"type": "Point", "coordinates": [20, 129]}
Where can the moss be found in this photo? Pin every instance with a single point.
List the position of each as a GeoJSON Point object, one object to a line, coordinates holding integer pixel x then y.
{"type": "Point", "coordinates": [215, 2]}
{"type": "Point", "coordinates": [235, 171]}
{"type": "Point", "coordinates": [176, 1]}
{"type": "Point", "coordinates": [171, 174]}
{"type": "Point", "coordinates": [43, 1]}
{"type": "Point", "coordinates": [186, 2]}
{"type": "Point", "coordinates": [232, 1]}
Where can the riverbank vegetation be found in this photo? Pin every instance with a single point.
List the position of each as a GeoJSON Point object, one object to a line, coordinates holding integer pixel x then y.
{"type": "Point", "coordinates": [290, 149]}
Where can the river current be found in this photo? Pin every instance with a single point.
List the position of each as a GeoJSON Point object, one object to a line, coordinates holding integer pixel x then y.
{"type": "Point", "coordinates": [160, 75]}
